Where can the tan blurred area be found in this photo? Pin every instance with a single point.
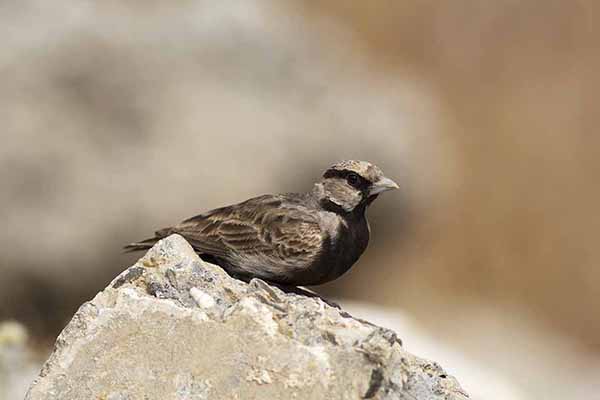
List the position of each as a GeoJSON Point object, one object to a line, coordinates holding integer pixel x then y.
{"type": "Point", "coordinates": [119, 118]}
{"type": "Point", "coordinates": [518, 87]}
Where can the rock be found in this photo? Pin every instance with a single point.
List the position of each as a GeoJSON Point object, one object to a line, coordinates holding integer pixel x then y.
{"type": "Point", "coordinates": [18, 365]}
{"type": "Point", "coordinates": [175, 327]}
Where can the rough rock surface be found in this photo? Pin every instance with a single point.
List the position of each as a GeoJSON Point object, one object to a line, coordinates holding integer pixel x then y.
{"type": "Point", "coordinates": [175, 327]}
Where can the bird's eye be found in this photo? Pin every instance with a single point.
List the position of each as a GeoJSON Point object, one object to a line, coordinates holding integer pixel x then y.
{"type": "Point", "coordinates": [353, 179]}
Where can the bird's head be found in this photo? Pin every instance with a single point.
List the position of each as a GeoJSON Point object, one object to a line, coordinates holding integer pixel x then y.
{"type": "Point", "coordinates": [350, 184]}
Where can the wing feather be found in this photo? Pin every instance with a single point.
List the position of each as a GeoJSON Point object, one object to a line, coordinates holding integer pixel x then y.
{"type": "Point", "coordinates": [265, 232]}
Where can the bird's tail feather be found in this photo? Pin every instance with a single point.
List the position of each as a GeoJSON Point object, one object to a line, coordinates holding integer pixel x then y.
{"type": "Point", "coordinates": [147, 244]}
{"type": "Point", "coordinates": [141, 245]}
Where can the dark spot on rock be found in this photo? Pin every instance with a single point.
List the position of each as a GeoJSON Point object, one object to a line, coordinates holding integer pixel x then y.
{"type": "Point", "coordinates": [443, 376]}
{"type": "Point", "coordinates": [164, 290]}
{"type": "Point", "coordinates": [153, 288]}
{"type": "Point", "coordinates": [387, 334]}
{"type": "Point", "coordinates": [131, 275]}
{"type": "Point", "coordinates": [375, 383]}
{"type": "Point", "coordinates": [330, 337]}
{"type": "Point", "coordinates": [158, 290]}
{"type": "Point", "coordinates": [171, 277]}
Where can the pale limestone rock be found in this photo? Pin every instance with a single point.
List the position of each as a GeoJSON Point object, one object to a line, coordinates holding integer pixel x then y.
{"type": "Point", "coordinates": [175, 327]}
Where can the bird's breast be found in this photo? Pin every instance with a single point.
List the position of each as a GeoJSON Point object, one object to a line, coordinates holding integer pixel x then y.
{"type": "Point", "coordinates": [344, 248]}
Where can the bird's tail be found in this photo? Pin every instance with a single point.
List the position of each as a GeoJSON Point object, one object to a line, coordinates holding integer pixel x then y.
{"type": "Point", "coordinates": [147, 244]}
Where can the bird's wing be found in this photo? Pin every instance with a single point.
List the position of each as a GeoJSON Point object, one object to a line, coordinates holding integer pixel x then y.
{"type": "Point", "coordinates": [264, 230]}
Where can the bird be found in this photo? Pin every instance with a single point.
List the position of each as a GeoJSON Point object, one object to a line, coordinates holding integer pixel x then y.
{"type": "Point", "coordinates": [292, 239]}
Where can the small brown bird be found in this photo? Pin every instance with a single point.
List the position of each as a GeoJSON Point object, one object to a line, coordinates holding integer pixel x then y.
{"type": "Point", "coordinates": [290, 239]}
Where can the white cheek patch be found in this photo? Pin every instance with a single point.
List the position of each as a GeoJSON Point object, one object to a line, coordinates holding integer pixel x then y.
{"type": "Point", "coordinates": [355, 200]}
{"type": "Point", "coordinates": [344, 196]}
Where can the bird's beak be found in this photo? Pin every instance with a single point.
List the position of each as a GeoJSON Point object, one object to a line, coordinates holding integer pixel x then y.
{"type": "Point", "coordinates": [382, 185]}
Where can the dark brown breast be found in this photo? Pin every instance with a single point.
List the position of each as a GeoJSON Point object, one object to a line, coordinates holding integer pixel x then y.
{"type": "Point", "coordinates": [339, 254]}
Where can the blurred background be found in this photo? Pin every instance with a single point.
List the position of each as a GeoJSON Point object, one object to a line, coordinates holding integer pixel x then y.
{"type": "Point", "coordinates": [122, 117]}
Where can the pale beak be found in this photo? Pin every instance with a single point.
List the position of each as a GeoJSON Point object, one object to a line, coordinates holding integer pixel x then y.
{"type": "Point", "coordinates": [382, 185]}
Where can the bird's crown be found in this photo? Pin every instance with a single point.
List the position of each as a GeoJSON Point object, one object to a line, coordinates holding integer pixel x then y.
{"type": "Point", "coordinates": [365, 169]}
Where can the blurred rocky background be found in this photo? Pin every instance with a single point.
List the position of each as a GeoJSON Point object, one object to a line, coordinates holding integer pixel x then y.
{"type": "Point", "coordinates": [118, 118]}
